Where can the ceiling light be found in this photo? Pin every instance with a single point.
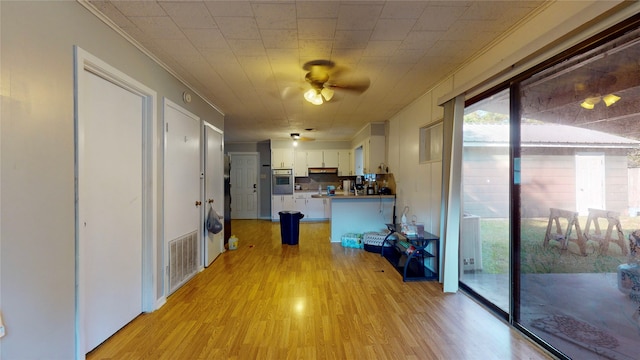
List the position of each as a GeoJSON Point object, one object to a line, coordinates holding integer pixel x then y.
{"type": "Point", "coordinates": [610, 99]}
{"type": "Point", "coordinates": [295, 137]}
{"type": "Point", "coordinates": [313, 96]}
{"type": "Point", "coordinates": [588, 104]}
{"type": "Point", "coordinates": [317, 96]}
{"type": "Point", "coordinates": [327, 93]}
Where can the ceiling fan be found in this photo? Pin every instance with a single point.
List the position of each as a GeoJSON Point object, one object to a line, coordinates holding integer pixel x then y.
{"type": "Point", "coordinates": [296, 137]}
{"type": "Point", "coordinates": [324, 77]}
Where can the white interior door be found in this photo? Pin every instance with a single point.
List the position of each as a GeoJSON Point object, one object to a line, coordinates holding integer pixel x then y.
{"type": "Point", "coordinates": [244, 186]}
{"type": "Point", "coordinates": [214, 189]}
{"type": "Point", "coordinates": [110, 207]}
{"type": "Point", "coordinates": [590, 177]}
{"type": "Point", "coordinates": [182, 199]}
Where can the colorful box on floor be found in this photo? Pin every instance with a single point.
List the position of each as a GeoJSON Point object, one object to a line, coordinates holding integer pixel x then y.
{"type": "Point", "coordinates": [352, 240]}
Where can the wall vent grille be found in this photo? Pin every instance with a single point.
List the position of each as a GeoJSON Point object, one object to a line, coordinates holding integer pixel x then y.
{"type": "Point", "coordinates": [183, 260]}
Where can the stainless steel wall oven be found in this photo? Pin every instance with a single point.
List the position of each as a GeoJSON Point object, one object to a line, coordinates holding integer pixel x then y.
{"type": "Point", "coordinates": [282, 182]}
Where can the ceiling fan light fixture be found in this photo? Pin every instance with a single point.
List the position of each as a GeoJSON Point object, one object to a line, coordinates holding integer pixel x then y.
{"type": "Point", "coordinates": [327, 93]}
{"type": "Point", "coordinates": [587, 104]}
{"type": "Point", "coordinates": [590, 102]}
{"type": "Point", "coordinates": [610, 99]}
{"type": "Point", "coordinates": [295, 137]}
{"type": "Point", "coordinates": [313, 96]}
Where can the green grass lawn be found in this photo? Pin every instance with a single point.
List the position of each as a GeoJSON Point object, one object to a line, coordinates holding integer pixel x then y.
{"type": "Point", "coordinates": [537, 259]}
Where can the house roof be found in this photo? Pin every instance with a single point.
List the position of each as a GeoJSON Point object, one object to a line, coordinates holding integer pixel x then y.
{"type": "Point", "coordinates": [544, 135]}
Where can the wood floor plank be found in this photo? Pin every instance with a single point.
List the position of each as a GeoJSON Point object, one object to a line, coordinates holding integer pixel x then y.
{"type": "Point", "coordinates": [315, 300]}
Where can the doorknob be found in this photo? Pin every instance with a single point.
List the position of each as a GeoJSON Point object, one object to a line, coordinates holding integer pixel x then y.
{"type": "Point", "coordinates": [198, 203]}
{"type": "Point", "coordinates": [254, 186]}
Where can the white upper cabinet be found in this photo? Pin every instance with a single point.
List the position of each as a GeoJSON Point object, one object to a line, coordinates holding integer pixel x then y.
{"type": "Point", "coordinates": [344, 163]}
{"type": "Point", "coordinates": [314, 158]}
{"type": "Point", "coordinates": [282, 158]}
{"type": "Point", "coordinates": [330, 158]}
{"type": "Point", "coordinates": [375, 154]}
{"type": "Point", "coordinates": [301, 166]}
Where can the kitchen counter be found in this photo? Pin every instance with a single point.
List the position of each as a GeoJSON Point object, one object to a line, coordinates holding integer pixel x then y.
{"type": "Point", "coordinates": [359, 214]}
{"type": "Point", "coordinates": [342, 196]}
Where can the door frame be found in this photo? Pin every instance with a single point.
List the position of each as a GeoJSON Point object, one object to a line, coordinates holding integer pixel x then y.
{"type": "Point", "coordinates": [84, 61]}
{"type": "Point", "coordinates": [205, 208]}
{"type": "Point", "coordinates": [257, 180]}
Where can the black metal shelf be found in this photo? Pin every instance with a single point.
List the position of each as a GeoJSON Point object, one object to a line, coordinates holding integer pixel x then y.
{"type": "Point", "coordinates": [413, 256]}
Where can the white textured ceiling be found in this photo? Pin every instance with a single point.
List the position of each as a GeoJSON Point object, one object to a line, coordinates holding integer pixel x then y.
{"type": "Point", "coordinates": [246, 57]}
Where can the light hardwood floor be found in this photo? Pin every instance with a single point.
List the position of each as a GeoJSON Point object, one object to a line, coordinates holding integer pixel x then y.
{"type": "Point", "coordinates": [315, 300]}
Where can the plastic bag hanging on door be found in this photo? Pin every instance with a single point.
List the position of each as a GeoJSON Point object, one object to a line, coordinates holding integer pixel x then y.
{"type": "Point", "coordinates": [214, 225]}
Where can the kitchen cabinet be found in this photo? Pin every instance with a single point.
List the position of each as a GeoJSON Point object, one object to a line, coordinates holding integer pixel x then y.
{"type": "Point", "coordinates": [281, 203]}
{"type": "Point", "coordinates": [315, 208]}
{"type": "Point", "coordinates": [344, 163]}
{"type": "Point", "coordinates": [300, 204]}
{"type": "Point", "coordinates": [369, 155]}
{"type": "Point", "coordinates": [282, 158]}
{"type": "Point", "coordinates": [330, 158]}
{"type": "Point", "coordinates": [315, 159]}
{"type": "Point", "coordinates": [301, 168]}
{"type": "Point", "coordinates": [312, 208]}
{"type": "Point", "coordinates": [376, 154]}
{"type": "Point", "coordinates": [327, 208]}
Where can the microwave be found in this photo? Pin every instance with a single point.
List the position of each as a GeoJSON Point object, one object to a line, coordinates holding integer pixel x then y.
{"type": "Point", "coordinates": [282, 182]}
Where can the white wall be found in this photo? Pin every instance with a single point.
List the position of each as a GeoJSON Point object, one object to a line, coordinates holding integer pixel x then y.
{"type": "Point", "coordinates": [37, 254]}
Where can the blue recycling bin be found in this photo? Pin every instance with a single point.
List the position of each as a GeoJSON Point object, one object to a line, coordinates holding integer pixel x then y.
{"type": "Point", "coordinates": [290, 226]}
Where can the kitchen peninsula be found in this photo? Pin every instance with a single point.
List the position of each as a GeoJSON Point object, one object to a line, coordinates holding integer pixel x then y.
{"type": "Point", "coordinates": [359, 214]}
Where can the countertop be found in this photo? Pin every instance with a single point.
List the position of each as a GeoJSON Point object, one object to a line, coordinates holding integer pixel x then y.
{"type": "Point", "coordinates": [352, 197]}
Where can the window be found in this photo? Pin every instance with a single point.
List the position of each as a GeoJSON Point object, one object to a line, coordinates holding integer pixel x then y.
{"type": "Point", "coordinates": [431, 143]}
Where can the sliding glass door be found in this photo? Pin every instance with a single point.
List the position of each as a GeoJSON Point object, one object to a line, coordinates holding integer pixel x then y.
{"type": "Point", "coordinates": [550, 227]}
{"type": "Point", "coordinates": [484, 227]}
{"type": "Point", "coordinates": [580, 131]}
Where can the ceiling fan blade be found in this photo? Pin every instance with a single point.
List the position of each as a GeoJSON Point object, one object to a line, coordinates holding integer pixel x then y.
{"type": "Point", "coordinates": [360, 85]}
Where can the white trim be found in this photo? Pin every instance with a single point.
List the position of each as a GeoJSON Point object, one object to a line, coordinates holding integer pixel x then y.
{"type": "Point", "coordinates": [213, 128]}
{"type": "Point", "coordinates": [84, 61]}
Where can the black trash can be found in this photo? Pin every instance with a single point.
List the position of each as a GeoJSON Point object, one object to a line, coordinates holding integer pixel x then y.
{"type": "Point", "coordinates": [290, 226]}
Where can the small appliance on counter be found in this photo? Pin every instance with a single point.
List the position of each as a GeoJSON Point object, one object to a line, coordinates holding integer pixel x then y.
{"type": "Point", "coordinates": [358, 188]}
{"type": "Point", "coordinates": [346, 186]}
{"type": "Point", "coordinates": [331, 190]}
{"type": "Point", "coordinates": [371, 190]}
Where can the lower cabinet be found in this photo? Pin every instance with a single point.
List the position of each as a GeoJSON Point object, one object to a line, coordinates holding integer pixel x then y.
{"type": "Point", "coordinates": [312, 208]}
{"type": "Point", "coordinates": [281, 203]}
{"type": "Point", "coordinates": [327, 208]}
{"type": "Point", "coordinates": [315, 209]}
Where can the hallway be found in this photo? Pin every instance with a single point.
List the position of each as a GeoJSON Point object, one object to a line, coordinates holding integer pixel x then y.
{"type": "Point", "coordinates": [316, 300]}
